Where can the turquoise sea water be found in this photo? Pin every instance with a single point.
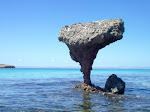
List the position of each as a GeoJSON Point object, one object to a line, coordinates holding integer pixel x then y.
{"type": "Point", "coordinates": [52, 90]}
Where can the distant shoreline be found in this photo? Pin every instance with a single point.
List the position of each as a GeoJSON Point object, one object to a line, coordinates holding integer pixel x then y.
{"type": "Point", "coordinates": [6, 66]}
{"type": "Point", "coordinates": [79, 68]}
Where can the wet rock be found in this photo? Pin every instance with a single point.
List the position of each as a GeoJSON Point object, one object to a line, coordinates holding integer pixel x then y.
{"type": "Point", "coordinates": [90, 89]}
{"type": "Point", "coordinates": [114, 85]}
{"type": "Point", "coordinates": [85, 39]}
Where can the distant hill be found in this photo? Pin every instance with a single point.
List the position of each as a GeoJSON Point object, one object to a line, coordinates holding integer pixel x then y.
{"type": "Point", "coordinates": [6, 66]}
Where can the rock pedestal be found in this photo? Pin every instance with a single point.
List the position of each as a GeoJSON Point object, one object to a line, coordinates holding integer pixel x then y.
{"type": "Point", "coordinates": [85, 39]}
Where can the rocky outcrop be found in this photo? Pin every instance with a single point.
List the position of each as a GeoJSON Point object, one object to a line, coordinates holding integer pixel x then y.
{"type": "Point", "coordinates": [85, 39]}
{"type": "Point", "coordinates": [91, 89]}
{"type": "Point", "coordinates": [115, 85]}
{"type": "Point", "coordinates": [6, 66]}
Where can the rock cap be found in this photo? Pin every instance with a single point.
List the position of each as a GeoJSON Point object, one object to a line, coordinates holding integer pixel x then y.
{"type": "Point", "coordinates": [98, 32]}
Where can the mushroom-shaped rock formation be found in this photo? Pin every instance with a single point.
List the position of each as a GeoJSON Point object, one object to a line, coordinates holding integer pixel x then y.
{"type": "Point", "coordinates": [85, 39]}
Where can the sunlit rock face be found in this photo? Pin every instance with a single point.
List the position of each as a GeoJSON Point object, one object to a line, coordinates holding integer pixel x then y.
{"type": "Point", "coordinates": [85, 39]}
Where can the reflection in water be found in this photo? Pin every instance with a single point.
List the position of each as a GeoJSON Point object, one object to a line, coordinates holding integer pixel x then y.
{"type": "Point", "coordinates": [87, 105]}
{"type": "Point", "coordinates": [110, 103]}
{"type": "Point", "coordinates": [115, 103]}
{"type": "Point", "coordinates": [95, 102]}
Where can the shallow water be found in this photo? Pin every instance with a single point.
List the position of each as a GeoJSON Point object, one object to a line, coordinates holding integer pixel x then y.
{"type": "Point", "coordinates": [48, 90]}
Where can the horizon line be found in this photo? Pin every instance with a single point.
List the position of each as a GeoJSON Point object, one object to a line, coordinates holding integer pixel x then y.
{"type": "Point", "coordinates": [79, 67]}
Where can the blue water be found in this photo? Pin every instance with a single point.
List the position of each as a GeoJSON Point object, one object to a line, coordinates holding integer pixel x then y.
{"type": "Point", "coordinates": [52, 90]}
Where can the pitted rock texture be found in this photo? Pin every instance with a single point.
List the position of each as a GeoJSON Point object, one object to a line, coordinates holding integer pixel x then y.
{"type": "Point", "coordinates": [88, 88]}
{"type": "Point", "coordinates": [97, 32]}
{"type": "Point", "coordinates": [85, 39]}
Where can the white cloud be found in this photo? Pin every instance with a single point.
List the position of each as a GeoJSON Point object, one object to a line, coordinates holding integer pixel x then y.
{"type": "Point", "coordinates": [20, 60]}
{"type": "Point", "coordinates": [99, 61]}
{"type": "Point", "coordinates": [52, 59]}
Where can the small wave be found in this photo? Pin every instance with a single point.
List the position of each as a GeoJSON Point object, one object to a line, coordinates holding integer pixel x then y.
{"type": "Point", "coordinates": [146, 84]}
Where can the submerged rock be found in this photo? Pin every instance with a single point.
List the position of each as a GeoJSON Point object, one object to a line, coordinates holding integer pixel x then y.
{"type": "Point", "coordinates": [114, 85]}
{"type": "Point", "coordinates": [6, 66]}
{"type": "Point", "coordinates": [85, 39]}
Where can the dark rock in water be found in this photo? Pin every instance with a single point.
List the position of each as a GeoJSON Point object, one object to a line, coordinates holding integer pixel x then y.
{"type": "Point", "coordinates": [6, 66]}
{"type": "Point", "coordinates": [115, 85]}
{"type": "Point", "coordinates": [84, 40]}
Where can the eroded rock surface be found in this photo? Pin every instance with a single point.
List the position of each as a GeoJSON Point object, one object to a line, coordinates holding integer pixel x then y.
{"type": "Point", "coordinates": [91, 89]}
{"type": "Point", "coordinates": [85, 39]}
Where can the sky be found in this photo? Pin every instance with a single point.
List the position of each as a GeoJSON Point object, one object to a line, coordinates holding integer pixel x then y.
{"type": "Point", "coordinates": [29, 32]}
